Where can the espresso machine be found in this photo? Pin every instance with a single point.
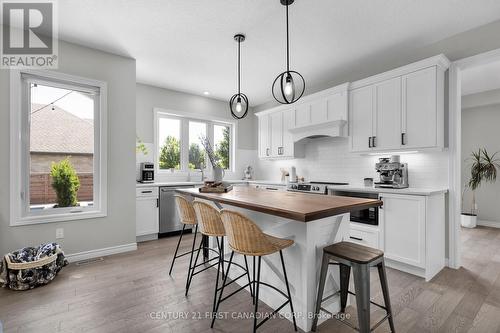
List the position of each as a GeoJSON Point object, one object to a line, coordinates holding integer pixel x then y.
{"type": "Point", "coordinates": [393, 173]}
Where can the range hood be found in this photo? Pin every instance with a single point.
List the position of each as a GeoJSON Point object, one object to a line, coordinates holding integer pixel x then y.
{"type": "Point", "coordinates": [333, 128]}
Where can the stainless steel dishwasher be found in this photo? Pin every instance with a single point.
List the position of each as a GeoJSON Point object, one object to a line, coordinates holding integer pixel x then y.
{"type": "Point", "coordinates": [169, 218]}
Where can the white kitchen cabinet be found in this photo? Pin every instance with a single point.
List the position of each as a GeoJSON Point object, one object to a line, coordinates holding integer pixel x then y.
{"type": "Point", "coordinates": [399, 110]}
{"type": "Point", "coordinates": [314, 115]}
{"type": "Point", "coordinates": [404, 228]}
{"type": "Point", "coordinates": [361, 118]}
{"type": "Point", "coordinates": [146, 213]}
{"type": "Point", "coordinates": [421, 115]}
{"type": "Point", "coordinates": [413, 233]}
{"type": "Point", "coordinates": [276, 133]}
{"type": "Point", "coordinates": [264, 136]}
{"type": "Point", "coordinates": [387, 118]}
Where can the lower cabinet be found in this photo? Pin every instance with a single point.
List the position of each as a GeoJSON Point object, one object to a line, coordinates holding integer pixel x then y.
{"type": "Point", "coordinates": [363, 234]}
{"type": "Point", "coordinates": [413, 233]}
{"type": "Point", "coordinates": [146, 212]}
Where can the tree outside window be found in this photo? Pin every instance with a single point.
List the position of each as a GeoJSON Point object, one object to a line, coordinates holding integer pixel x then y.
{"type": "Point", "coordinates": [222, 145]}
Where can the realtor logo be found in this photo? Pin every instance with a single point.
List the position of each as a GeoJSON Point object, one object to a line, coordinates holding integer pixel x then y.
{"type": "Point", "coordinates": [29, 36]}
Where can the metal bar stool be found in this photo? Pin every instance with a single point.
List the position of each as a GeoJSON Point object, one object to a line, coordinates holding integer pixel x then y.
{"type": "Point", "coordinates": [246, 238]}
{"type": "Point", "coordinates": [360, 258]}
{"type": "Point", "coordinates": [211, 225]}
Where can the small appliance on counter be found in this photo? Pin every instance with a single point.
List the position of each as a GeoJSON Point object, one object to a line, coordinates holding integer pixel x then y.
{"type": "Point", "coordinates": [248, 173]}
{"type": "Point", "coordinates": [147, 172]}
{"type": "Point", "coordinates": [393, 173]}
{"type": "Point", "coordinates": [293, 175]}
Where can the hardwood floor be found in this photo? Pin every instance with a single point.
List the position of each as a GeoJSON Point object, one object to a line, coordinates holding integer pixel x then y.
{"type": "Point", "coordinates": [131, 292]}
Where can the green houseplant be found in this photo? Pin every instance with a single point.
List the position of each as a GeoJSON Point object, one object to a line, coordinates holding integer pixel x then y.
{"type": "Point", "coordinates": [484, 168]}
{"type": "Point", "coordinates": [65, 183]}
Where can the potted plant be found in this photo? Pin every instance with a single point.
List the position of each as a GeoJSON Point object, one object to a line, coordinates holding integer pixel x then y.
{"type": "Point", "coordinates": [484, 168]}
{"type": "Point", "coordinates": [65, 183]}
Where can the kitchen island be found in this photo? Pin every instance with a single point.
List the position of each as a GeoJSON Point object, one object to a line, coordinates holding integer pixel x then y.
{"type": "Point", "coordinates": [312, 221]}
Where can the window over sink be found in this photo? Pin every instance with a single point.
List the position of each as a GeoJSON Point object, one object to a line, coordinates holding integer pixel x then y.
{"type": "Point", "coordinates": [178, 142]}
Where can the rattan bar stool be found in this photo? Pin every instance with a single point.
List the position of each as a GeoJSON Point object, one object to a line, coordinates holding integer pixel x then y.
{"type": "Point", "coordinates": [360, 258]}
{"type": "Point", "coordinates": [210, 225]}
{"type": "Point", "coordinates": [246, 238]}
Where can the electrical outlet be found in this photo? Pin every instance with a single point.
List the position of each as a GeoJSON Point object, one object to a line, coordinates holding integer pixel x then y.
{"type": "Point", "coordinates": [59, 233]}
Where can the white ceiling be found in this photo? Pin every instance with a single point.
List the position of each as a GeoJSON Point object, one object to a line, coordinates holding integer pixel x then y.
{"type": "Point", "coordinates": [481, 78]}
{"type": "Point", "coordinates": [188, 45]}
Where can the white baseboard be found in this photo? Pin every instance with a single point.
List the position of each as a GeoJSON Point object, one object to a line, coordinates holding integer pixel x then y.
{"type": "Point", "coordinates": [492, 224]}
{"type": "Point", "coordinates": [74, 257]}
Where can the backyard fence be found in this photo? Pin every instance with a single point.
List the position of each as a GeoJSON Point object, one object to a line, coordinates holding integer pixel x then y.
{"type": "Point", "coordinates": [41, 191]}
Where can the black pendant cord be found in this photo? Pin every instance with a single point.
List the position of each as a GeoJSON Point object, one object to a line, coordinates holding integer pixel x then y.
{"type": "Point", "coordinates": [287, 43]}
{"type": "Point", "coordinates": [239, 65]}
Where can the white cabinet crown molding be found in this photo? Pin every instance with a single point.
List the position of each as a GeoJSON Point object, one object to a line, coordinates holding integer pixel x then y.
{"type": "Point", "coordinates": [440, 60]}
{"type": "Point", "coordinates": [307, 99]}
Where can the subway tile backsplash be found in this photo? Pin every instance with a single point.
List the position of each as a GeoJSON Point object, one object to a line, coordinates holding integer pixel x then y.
{"type": "Point", "coordinates": [329, 159]}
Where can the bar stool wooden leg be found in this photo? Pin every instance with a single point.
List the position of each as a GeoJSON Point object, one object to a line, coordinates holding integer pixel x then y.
{"type": "Point", "coordinates": [362, 286]}
{"type": "Point", "coordinates": [385, 291]}
{"type": "Point", "coordinates": [222, 290]}
{"type": "Point", "coordinates": [321, 288]}
{"type": "Point", "coordinates": [345, 273]}
{"type": "Point", "coordinates": [257, 296]}
{"type": "Point", "coordinates": [288, 291]}
{"type": "Point", "coordinates": [176, 250]}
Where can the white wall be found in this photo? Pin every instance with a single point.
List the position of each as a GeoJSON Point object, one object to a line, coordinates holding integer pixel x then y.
{"type": "Point", "coordinates": [328, 159]}
{"type": "Point", "coordinates": [118, 228]}
{"type": "Point", "coordinates": [149, 97]}
{"type": "Point", "coordinates": [480, 130]}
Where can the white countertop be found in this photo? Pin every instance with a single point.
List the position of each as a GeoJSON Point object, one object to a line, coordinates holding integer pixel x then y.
{"type": "Point", "coordinates": [263, 182]}
{"type": "Point", "coordinates": [409, 190]}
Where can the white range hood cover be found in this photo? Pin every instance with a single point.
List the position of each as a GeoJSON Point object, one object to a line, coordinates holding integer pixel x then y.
{"type": "Point", "coordinates": [334, 128]}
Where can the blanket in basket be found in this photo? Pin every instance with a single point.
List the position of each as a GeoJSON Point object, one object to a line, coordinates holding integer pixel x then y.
{"type": "Point", "coordinates": [31, 267]}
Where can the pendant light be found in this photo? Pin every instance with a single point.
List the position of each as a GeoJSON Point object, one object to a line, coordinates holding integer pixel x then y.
{"type": "Point", "coordinates": [289, 86]}
{"type": "Point", "coordinates": [238, 104]}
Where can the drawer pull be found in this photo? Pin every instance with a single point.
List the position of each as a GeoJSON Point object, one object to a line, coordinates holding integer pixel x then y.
{"type": "Point", "coordinates": [356, 238]}
{"type": "Point", "coordinates": [146, 191]}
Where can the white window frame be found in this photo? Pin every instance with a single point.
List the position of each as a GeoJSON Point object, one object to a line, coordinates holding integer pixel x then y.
{"type": "Point", "coordinates": [184, 138]}
{"type": "Point", "coordinates": [20, 213]}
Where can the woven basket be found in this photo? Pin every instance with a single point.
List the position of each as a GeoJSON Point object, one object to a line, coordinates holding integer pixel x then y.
{"type": "Point", "coordinates": [31, 264]}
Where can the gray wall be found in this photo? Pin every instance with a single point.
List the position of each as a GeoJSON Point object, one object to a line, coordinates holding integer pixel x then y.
{"type": "Point", "coordinates": [149, 97]}
{"type": "Point", "coordinates": [118, 228]}
{"type": "Point", "coordinates": [480, 130]}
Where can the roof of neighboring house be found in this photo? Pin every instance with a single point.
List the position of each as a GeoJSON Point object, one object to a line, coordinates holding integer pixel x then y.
{"type": "Point", "coordinates": [55, 130]}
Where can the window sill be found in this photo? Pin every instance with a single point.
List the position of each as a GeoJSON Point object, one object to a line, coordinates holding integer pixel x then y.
{"type": "Point", "coordinates": [62, 217]}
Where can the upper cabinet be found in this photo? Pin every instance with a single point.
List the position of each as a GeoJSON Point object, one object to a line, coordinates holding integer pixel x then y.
{"type": "Point", "coordinates": [321, 114]}
{"type": "Point", "coordinates": [399, 110]}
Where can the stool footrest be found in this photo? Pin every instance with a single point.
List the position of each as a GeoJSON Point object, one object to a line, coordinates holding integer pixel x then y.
{"type": "Point", "coordinates": [272, 313]}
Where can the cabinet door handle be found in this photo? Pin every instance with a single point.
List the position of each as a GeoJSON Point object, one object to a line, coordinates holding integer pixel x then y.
{"type": "Point", "coordinates": [381, 199]}
{"type": "Point", "coordinates": [369, 142]}
{"type": "Point", "coordinates": [157, 203]}
{"type": "Point", "coordinates": [356, 238]}
{"type": "Point", "coordinates": [403, 137]}
{"type": "Point", "coordinates": [374, 141]}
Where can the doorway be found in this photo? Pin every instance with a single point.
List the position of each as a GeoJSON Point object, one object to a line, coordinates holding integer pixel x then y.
{"type": "Point", "coordinates": [474, 87]}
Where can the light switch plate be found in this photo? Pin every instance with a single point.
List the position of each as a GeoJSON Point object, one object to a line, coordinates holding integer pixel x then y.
{"type": "Point", "coordinates": [59, 233]}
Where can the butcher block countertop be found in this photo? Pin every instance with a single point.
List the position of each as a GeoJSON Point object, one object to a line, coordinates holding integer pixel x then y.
{"type": "Point", "coordinates": [292, 205]}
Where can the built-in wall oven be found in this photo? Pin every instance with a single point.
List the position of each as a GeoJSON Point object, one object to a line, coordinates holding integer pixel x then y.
{"type": "Point", "coordinates": [364, 216]}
